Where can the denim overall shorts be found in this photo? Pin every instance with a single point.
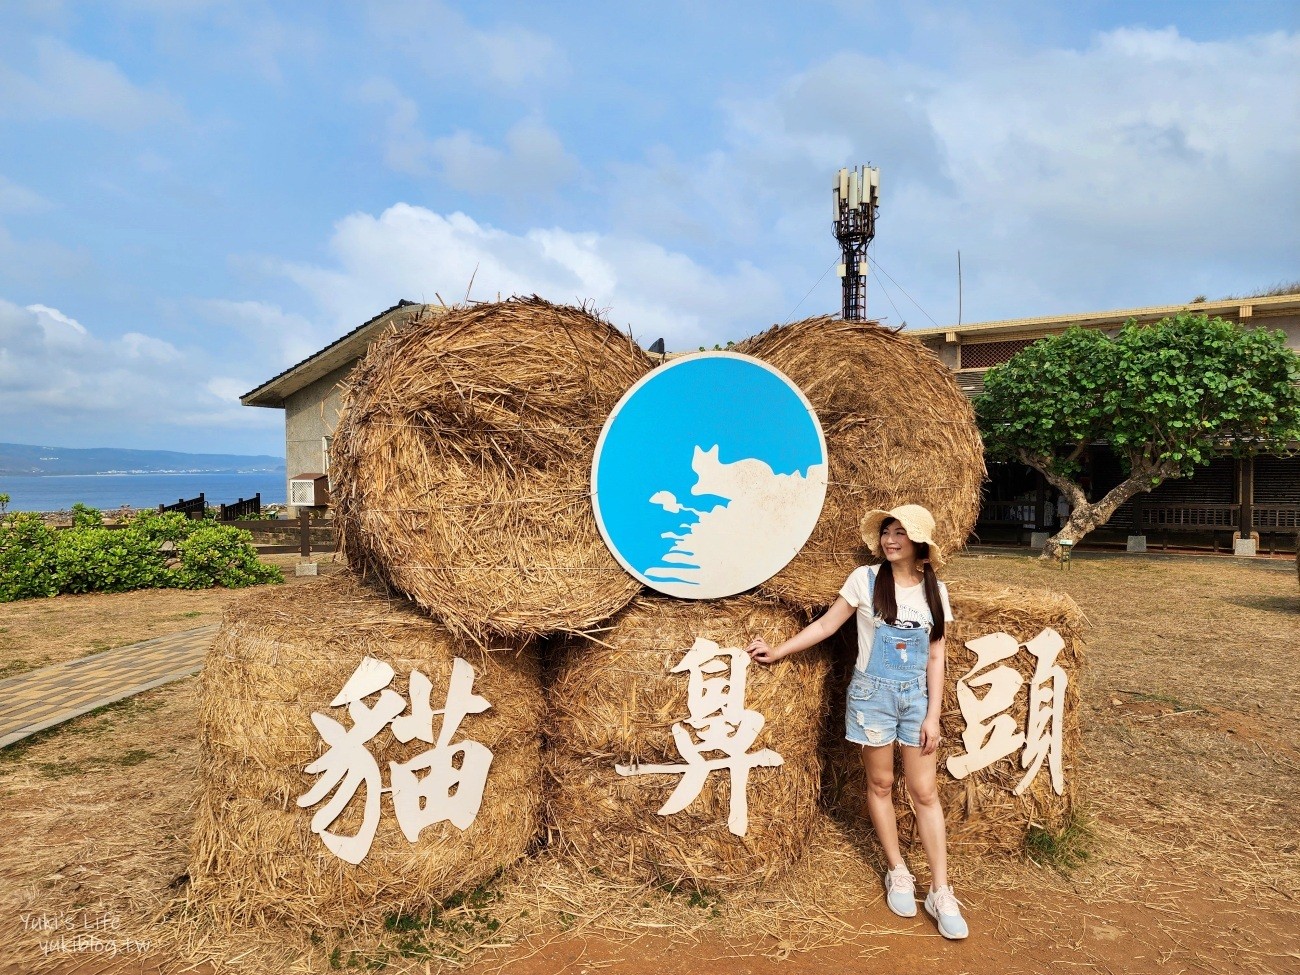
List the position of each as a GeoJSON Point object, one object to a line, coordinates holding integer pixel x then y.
{"type": "Point", "coordinates": [888, 702]}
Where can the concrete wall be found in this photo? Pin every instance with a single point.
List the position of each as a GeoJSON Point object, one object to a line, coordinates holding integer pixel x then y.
{"type": "Point", "coordinates": [310, 415]}
{"type": "Point", "coordinates": [1287, 323]}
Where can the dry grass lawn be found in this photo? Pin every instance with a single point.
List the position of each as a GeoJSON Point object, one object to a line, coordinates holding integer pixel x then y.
{"type": "Point", "coordinates": [1188, 860]}
{"type": "Point", "coordinates": [38, 632]}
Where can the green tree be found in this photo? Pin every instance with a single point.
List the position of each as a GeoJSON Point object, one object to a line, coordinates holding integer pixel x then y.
{"type": "Point", "coordinates": [1166, 397]}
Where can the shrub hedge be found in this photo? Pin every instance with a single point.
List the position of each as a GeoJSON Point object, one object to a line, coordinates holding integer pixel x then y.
{"type": "Point", "coordinates": [37, 560]}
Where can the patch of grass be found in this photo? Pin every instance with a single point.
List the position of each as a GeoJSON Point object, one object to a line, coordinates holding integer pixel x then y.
{"type": "Point", "coordinates": [442, 932]}
{"type": "Point", "coordinates": [15, 667]}
{"type": "Point", "coordinates": [92, 723]}
{"type": "Point", "coordinates": [696, 896]}
{"type": "Point", "coordinates": [61, 770]}
{"type": "Point", "coordinates": [1063, 850]}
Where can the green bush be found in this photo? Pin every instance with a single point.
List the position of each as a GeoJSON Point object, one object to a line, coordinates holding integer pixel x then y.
{"type": "Point", "coordinates": [94, 559]}
{"type": "Point", "coordinates": [84, 516]}
{"type": "Point", "coordinates": [27, 557]}
{"type": "Point", "coordinates": [218, 555]}
{"type": "Point", "coordinates": [153, 551]}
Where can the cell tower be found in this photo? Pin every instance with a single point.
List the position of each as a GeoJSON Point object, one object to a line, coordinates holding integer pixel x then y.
{"type": "Point", "coordinates": [857, 197]}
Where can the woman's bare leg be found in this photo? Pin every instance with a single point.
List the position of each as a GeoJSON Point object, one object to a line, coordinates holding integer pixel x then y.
{"type": "Point", "coordinates": [879, 764]}
{"type": "Point", "coordinates": [919, 774]}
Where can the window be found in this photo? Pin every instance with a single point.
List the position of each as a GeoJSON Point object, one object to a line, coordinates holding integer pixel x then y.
{"type": "Point", "coordinates": [985, 355]}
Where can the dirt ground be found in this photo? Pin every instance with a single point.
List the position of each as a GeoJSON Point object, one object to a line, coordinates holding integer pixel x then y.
{"type": "Point", "coordinates": [1188, 860]}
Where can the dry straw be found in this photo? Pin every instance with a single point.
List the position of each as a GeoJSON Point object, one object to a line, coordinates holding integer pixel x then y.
{"type": "Point", "coordinates": [615, 701]}
{"type": "Point", "coordinates": [461, 467]}
{"type": "Point", "coordinates": [279, 657]}
{"type": "Point", "coordinates": [983, 813]}
{"type": "Point", "coordinates": [898, 430]}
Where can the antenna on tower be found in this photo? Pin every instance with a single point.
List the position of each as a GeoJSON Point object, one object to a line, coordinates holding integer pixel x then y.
{"type": "Point", "coordinates": [857, 198]}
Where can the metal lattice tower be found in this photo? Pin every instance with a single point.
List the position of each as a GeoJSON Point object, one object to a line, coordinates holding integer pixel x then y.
{"type": "Point", "coordinates": [857, 198]}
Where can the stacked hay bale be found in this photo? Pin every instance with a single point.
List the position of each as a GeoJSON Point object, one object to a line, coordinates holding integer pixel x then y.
{"type": "Point", "coordinates": [282, 656]}
{"type": "Point", "coordinates": [983, 812]}
{"type": "Point", "coordinates": [461, 467]}
{"type": "Point", "coordinates": [461, 476]}
{"type": "Point", "coordinates": [898, 430]}
{"type": "Point", "coordinates": [616, 702]}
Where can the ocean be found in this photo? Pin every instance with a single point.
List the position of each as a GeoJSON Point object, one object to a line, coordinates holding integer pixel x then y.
{"type": "Point", "coordinates": [59, 492]}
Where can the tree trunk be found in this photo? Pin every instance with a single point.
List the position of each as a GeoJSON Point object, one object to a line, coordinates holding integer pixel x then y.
{"type": "Point", "coordinates": [1086, 516]}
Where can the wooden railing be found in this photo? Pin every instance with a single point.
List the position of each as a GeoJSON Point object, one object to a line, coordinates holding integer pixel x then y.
{"type": "Point", "coordinates": [1008, 513]}
{"type": "Point", "coordinates": [1215, 523]}
{"type": "Point", "coordinates": [241, 508]}
{"type": "Point", "coordinates": [1189, 517]}
{"type": "Point", "coordinates": [194, 507]}
{"type": "Point", "coordinates": [302, 535]}
{"type": "Point", "coordinates": [1276, 517]}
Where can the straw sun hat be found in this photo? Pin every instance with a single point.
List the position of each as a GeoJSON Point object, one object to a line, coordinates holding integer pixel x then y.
{"type": "Point", "coordinates": [916, 521]}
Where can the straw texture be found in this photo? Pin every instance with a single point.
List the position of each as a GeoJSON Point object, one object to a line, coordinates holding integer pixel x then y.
{"type": "Point", "coordinates": [461, 467]}
{"type": "Point", "coordinates": [279, 657]}
{"type": "Point", "coordinates": [898, 430]}
{"type": "Point", "coordinates": [615, 701]}
{"type": "Point", "coordinates": [983, 814]}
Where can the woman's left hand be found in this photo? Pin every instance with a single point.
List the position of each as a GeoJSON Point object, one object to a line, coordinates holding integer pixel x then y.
{"type": "Point", "coordinates": [930, 735]}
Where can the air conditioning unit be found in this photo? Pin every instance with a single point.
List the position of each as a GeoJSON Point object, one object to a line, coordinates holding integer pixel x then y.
{"type": "Point", "coordinates": [309, 491]}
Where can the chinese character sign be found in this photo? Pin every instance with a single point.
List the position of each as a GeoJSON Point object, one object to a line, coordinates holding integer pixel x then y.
{"type": "Point", "coordinates": [1046, 712]}
{"type": "Point", "coordinates": [717, 723]}
{"type": "Point", "coordinates": [991, 733]}
{"type": "Point", "coordinates": [427, 789]}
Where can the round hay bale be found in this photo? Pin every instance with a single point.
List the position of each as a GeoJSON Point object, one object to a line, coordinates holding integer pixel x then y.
{"type": "Point", "coordinates": [461, 467]}
{"type": "Point", "coordinates": [616, 703]}
{"type": "Point", "coordinates": [281, 656]}
{"type": "Point", "coordinates": [898, 430]}
{"type": "Point", "coordinates": [983, 812]}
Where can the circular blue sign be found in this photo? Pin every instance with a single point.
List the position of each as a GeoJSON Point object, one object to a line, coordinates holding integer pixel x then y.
{"type": "Point", "coordinates": [709, 475]}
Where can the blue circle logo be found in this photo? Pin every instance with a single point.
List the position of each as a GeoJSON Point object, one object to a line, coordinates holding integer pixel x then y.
{"type": "Point", "coordinates": [709, 475]}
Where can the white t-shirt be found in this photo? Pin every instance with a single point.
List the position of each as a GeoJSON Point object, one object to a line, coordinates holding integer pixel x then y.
{"type": "Point", "coordinates": [912, 607]}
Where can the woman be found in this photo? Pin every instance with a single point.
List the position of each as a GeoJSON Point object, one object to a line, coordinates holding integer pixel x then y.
{"type": "Point", "coordinates": [896, 693]}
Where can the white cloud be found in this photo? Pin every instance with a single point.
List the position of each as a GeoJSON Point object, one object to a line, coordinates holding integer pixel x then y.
{"type": "Point", "coordinates": [27, 263]}
{"type": "Point", "coordinates": [533, 160]}
{"type": "Point", "coordinates": [1147, 159]}
{"type": "Point", "coordinates": [55, 323]}
{"type": "Point", "coordinates": [406, 148]}
{"type": "Point", "coordinates": [19, 199]}
{"type": "Point", "coordinates": [769, 180]}
{"type": "Point", "coordinates": [57, 375]}
{"type": "Point", "coordinates": [1143, 168]}
{"type": "Point", "coordinates": [410, 252]}
{"type": "Point", "coordinates": [507, 59]}
{"type": "Point", "coordinates": [285, 337]}
{"type": "Point", "coordinates": [68, 84]}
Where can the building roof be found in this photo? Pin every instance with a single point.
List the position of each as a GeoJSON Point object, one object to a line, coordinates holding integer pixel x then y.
{"type": "Point", "coordinates": [1237, 308]}
{"type": "Point", "coordinates": [351, 346]}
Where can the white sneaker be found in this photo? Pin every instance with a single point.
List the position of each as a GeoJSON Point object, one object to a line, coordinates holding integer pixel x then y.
{"type": "Point", "coordinates": [943, 906]}
{"type": "Point", "coordinates": [900, 891]}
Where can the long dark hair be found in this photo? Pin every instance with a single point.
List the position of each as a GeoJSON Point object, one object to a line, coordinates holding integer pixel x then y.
{"type": "Point", "coordinates": [885, 602]}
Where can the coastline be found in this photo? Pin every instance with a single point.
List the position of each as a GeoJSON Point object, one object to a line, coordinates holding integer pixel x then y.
{"type": "Point", "coordinates": [145, 490]}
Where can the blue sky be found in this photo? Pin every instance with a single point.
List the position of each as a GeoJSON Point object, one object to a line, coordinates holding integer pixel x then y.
{"type": "Point", "coordinates": [194, 194]}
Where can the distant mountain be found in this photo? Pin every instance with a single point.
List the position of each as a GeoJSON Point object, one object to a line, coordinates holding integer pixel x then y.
{"type": "Point", "coordinates": [25, 459]}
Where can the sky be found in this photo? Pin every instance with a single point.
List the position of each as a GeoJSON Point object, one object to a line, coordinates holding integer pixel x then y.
{"type": "Point", "coordinates": [196, 194]}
